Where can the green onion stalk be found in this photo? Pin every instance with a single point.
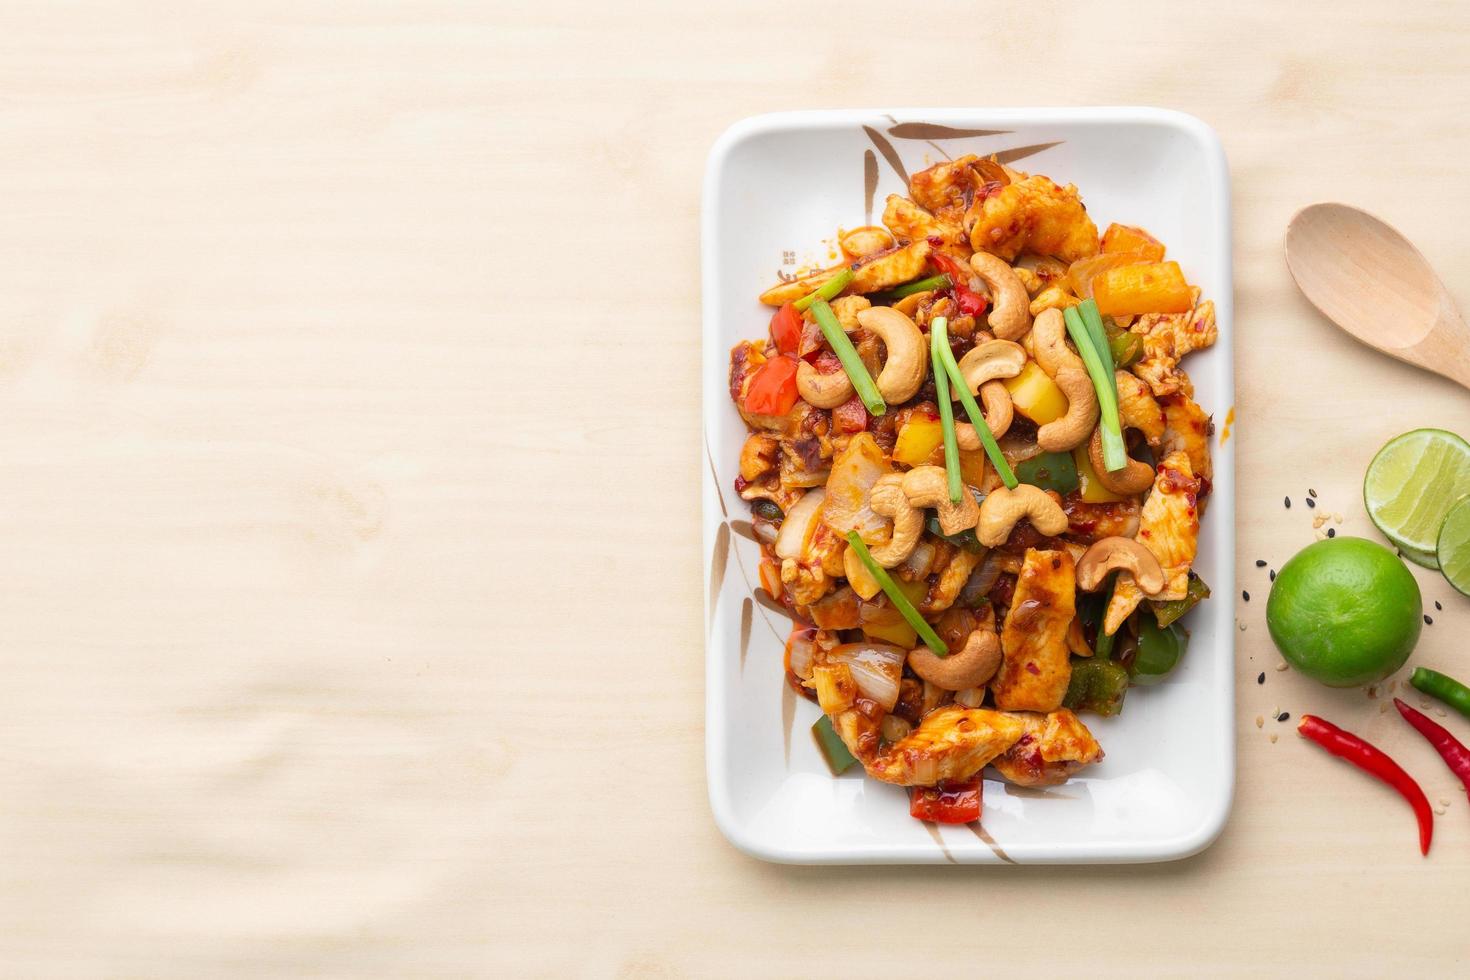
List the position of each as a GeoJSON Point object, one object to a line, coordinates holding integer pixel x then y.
{"type": "Point", "coordinates": [862, 381]}
{"type": "Point", "coordinates": [826, 290]}
{"type": "Point", "coordinates": [1115, 453]}
{"type": "Point", "coordinates": [946, 410]}
{"type": "Point", "coordinates": [940, 350]}
{"type": "Point", "coordinates": [895, 595]}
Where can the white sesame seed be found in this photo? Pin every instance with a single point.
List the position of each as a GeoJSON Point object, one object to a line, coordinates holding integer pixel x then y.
{"type": "Point", "coordinates": [1281, 666]}
{"type": "Point", "coordinates": [1260, 721]}
{"type": "Point", "coordinates": [1273, 738]}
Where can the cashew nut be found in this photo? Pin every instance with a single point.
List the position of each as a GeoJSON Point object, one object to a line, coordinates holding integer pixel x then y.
{"type": "Point", "coordinates": [822, 390]}
{"type": "Point", "coordinates": [995, 399]}
{"type": "Point", "coordinates": [908, 353]}
{"type": "Point", "coordinates": [864, 241]}
{"type": "Point", "coordinates": [928, 486]}
{"type": "Point", "coordinates": [1119, 554]}
{"type": "Point", "coordinates": [888, 500]}
{"type": "Point", "coordinates": [989, 360]}
{"type": "Point", "coordinates": [1049, 344]}
{"type": "Point", "coordinates": [1010, 304]}
{"type": "Point", "coordinates": [972, 665]}
{"type": "Point", "coordinates": [1136, 477]}
{"type": "Point", "coordinates": [1072, 429]}
{"type": "Point", "coordinates": [846, 309]}
{"type": "Point", "coordinates": [1003, 509]}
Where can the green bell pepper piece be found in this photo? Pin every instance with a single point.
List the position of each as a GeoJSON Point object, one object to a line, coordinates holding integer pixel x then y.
{"type": "Point", "coordinates": [1159, 651]}
{"type": "Point", "coordinates": [1098, 685]}
{"type": "Point", "coordinates": [1050, 471]}
{"type": "Point", "coordinates": [834, 750]}
{"type": "Point", "coordinates": [1170, 610]}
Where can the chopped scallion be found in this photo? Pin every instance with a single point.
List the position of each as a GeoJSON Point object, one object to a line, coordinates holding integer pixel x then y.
{"type": "Point", "coordinates": [1115, 454]}
{"type": "Point", "coordinates": [946, 409]}
{"type": "Point", "coordinates": [941, 281]}
{"type": "Point", "coordinates": [826, 290]}
{"type": "Point", "coordinates": [945, 356]}
{"type": "Point", "coordinates": [862, 381]}
{"type": "Point", "coordinates": [895, 595]}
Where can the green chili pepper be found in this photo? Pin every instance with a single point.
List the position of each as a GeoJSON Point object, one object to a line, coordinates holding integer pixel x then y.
{"type": "Point", "coordinates": [1098, 685]}
{"type": "Point", "coordinates": [826, 290]}
{"type": "Point", "coordinates": [839, 760]}
{"type": "Point", "coordinates": [1445, 688]}
{"type": "Point", "coordinates": [1168, 611]}
{"type": "Point", "coordinates": [895, 595]}
{"type": "Point", "coordinates": [1159, 651]}
{"type": "Point", "coordinates": [1050, 471]}
{"type": "Point", "coordinates": [862, 381]}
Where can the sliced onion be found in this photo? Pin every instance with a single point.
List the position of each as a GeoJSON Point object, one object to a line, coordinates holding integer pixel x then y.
{"type": "Point", "coordinates": [894, 728]}
{"type": "Point", "coordinates": [970, 697]}
{"type": "Point", "coordinates": [981, 581]}
{"type": "Point", "coordinates": [850, 487]}
{"type": "Point", "coordinates": [801, 521]}
{"type": "Point", "coordinates": [919, 563]}
{"type": "Point", "coordinates": [799, 650]}
{"type": "Point", "coordinates": [1017, 448]}
{"type": "Point", "coordinates": [876, 667]}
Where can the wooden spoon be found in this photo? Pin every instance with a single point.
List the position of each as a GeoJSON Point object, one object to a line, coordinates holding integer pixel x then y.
{"type": "Point", "coordinates": [1372, 282]}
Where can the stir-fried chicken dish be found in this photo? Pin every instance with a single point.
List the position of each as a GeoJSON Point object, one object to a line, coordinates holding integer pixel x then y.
{"type": "Point", "coordinates": [977, 473]}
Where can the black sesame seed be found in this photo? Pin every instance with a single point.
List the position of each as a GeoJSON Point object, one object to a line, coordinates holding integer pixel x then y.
{"type": "Point", "coordinates": [1332, 532]}
{"type": "Point", "coordinates": [1288, 503]}
{"type": "Point", "coordinates": [1245, 595]}
{"type": "Point", "coordinates": [1427, 620]}
{"type": "Point", "coordinates": [1260, 563]}
{"type": "Point", "coordinates": [1283, 716]}
{"type": "Point", "coordinates": [1261, 678]}
{"type": "Point", "coordinates": [1311, 491]}
{"type": "Point", "coordinates": [1311, 502]}
{"type": "Point", "coordinates": [1273, 574]}
{"type": "Point", "coordinates": [1438, 606]}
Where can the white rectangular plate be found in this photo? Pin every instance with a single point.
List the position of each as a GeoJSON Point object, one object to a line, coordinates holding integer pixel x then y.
{"type": "Point", "coordinates": [776, 189]}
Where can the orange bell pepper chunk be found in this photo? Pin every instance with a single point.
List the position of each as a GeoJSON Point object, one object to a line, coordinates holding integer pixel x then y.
{"type": "Point", "coordinates": [1130, 238]}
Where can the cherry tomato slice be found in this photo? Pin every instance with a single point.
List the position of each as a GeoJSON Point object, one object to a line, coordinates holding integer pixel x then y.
{"type": "Point", "coordinates": [786, 329]}
{"type": "Point", "coordinates": [850, 416]}
{"type": "Point", "coordinates": [969, 301]}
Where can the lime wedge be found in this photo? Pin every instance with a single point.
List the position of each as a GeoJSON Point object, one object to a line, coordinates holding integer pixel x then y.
{"type": "Point", "coordinates": [1454, 547]}
{"type": "Point", "coordinates": [1411, 485]}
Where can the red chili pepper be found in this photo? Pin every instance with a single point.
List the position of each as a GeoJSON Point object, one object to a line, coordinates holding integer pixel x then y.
{"type": "Point", "coordinates": [850, 416]}
{"type": "Point", "coordinates": [1346, 745]}
{"type": "Point", "coordinates": [969, 301]}
{"type": "Point", "coordinates": [952, 802]}
{"type": "Point", "coordinates": [772, 390]}
{"type": "Point", "coordinates": [786, 329]}
{"type": "Point", "coordinates": [1450, 749]}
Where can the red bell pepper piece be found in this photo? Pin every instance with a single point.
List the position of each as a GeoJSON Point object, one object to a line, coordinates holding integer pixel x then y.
{"type": "Point", "coordinates": [951, 802]}
{"type": "Point", "coordinates": [772, 390]}
{"type": "Point", "coordinates": [850, 416]}
{"type": "Point", "coordinates": [1450, 749]}
{"type": "Point", "coordinates": [969, 301]}
{"type": "Point", "coordinates": [786, 329]}
{"type": "Point", "coordinates": [1346, 745]}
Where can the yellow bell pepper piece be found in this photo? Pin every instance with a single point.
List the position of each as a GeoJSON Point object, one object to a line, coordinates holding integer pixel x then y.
{"type": "Point", "coordinates": [1092, 490]}
{"type": "Point", "coordinates": [917, 440]}
{"type": "Point", "coordinates": [899, 634]}
{"type": "Point", "coordinates": [1035, 395]}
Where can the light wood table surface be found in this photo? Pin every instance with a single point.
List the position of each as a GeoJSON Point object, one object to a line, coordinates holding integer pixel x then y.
{"type": "Point", "coordinates": [350, 613]}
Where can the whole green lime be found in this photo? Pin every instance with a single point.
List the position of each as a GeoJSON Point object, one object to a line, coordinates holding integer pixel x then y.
{"type": "Point", "coordinates": [1345, 611]}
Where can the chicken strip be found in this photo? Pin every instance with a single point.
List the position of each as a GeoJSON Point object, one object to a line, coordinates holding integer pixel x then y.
{"type": "Point", "coordinates": [1054, 747]}
{"type": "Point", "coordinates": [1137, 408]}
{"type": "Point", "coordinates": [1167, 337]}
{"type": "Point", "coordinates": [1035, 214]}
{"type": "Point", "coordinates": [1187, 429]}
{"type": "Point", "coordinates": [951, 742]}
{"type": "Point", "coordinates": [1037, 668]}
{"type": "Point", "coordinates": [1169, 527]}
{"type": "Point", "coordinates": [907, 220]}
